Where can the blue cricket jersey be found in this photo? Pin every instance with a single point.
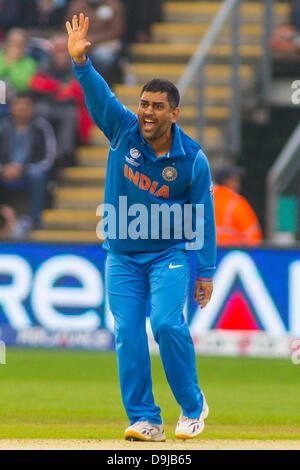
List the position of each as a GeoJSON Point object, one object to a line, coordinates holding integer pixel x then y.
{"type": "Point", "coordinates": [182, 177]}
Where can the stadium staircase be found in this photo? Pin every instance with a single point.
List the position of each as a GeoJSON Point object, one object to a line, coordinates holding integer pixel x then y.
{"type": "Point", "coordinates": [173, 41]}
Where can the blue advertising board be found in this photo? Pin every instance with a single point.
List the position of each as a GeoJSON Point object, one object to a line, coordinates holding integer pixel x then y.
{"type": "Point", "coordinates": [255, 289]}
{"type": "Point", "coordinates": [53, 295]}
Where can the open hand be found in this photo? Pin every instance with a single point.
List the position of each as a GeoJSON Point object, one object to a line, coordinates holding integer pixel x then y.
{"type": "Point", "coordinates": [77, 43]}
{"type": "Point", "coordinates": [12, 171]}
{"type": "Point", "coordinates": [203, 291]}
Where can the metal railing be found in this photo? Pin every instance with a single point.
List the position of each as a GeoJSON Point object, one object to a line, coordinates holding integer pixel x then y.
{"type": "Point", "coordinates": [194, 72]}
{"type": "Point", "coordinates": [280, 176]}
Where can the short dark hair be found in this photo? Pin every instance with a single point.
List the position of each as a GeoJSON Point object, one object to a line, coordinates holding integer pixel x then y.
{"type": "Point", "coordinates": [30, 94]}
{"type": "Point", "coordinates": [225, 172]}
{"type": "Point", "coordinates": [26, 94]}
{"type": "Point", "coordinates": [163, 85]}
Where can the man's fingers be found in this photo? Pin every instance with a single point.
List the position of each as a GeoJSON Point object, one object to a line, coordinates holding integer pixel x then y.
{"type": "Point", "coordinates": [87, 45]}
{"type": "Point", "coordinates": [81, 21]}
{"type": "Point", "coordinates": [207, 291]}
{"type": "Point", "coordinates": [69, 27]}
{"type": "Point", "coordinates": [203, 291]}
{"type": "Point", "coordinates": [197, 292]}
{"type": "Point", "coordinates": [86, 25]}
{"type": "Point", "coordinates": [75, 23]}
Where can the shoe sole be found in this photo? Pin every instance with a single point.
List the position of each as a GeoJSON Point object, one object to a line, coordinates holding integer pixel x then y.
{"type": "Point", "coordinates": [135, 436]}
{"type": "Point", "coordinates": [188, 436]}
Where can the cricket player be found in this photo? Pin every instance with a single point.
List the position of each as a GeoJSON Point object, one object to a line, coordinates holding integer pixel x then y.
{"type": "Point", "coordinates": [152, 164]}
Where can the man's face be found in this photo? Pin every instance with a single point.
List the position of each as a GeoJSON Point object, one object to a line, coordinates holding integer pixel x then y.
{"type": "Point", "coordinates": [155, 115]}
{"type": "Point", "coordinates": [22, 109]}
{"type": "Point", "coordinates": [234, 183]}
{"type": "Point", "coordinates": [60, 54]}
{"type": "Point", "coordinates": [16, 45]}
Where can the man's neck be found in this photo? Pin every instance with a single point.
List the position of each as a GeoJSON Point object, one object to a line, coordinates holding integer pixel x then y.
{"type": "Point", "coordinates": [163, 144]}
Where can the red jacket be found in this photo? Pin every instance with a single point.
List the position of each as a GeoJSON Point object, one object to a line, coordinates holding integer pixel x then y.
{"type": "Point", "coordinates": [64, 91]}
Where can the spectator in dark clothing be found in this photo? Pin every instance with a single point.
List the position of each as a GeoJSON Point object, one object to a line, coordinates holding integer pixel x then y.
{"type": "Point", "coordinates": [295, 15]}
{"type": "Point", "coordinates": [51, 13]}
{"type": "Point", "coordinates": [106, 34]}
{"type": "Point", "coordinates": [41, 16]}
{"type": "Point", "coordinates": [16, 13]}
{"type": "Point", "coordinates": [140, 16]}
{"type": "Point", "coordinates": [27, 153]}
{"type": "Point", "coordinates": [61, 101]}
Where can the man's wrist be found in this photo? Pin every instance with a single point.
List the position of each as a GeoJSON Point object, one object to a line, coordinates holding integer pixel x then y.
{"type": "Point", "coordinates": [79, 60]}
{"type": "Point", "coordinates": [204, 279]}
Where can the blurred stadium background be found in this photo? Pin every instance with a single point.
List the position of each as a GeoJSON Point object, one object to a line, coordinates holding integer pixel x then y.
{"type": "Point", "coordinates": [236, 64]}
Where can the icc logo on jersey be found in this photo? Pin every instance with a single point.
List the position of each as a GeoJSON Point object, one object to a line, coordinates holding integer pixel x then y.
{"type": "Point", "coordinates": [134, 153]}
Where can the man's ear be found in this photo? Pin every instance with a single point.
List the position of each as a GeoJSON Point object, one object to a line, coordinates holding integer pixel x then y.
{"type": "Point", "coordinates": [175, 114]}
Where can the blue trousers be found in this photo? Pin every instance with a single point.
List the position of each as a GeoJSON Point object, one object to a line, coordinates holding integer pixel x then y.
{"type": "Point", "coordinates": [165, 276]}
{"type": "Point", "coordinates": [34, 179]}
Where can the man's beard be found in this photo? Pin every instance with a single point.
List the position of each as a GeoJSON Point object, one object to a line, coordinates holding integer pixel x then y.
{"type": "Point", "coordinates": [159, 132]}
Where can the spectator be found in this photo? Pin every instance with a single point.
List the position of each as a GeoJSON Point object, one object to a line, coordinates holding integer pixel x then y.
{"type": "Point", "coordinates": [51, 13]}
{"type": "Point", "coordinates": [47, 16]}
{"type": "Point", "coordinates": [27, 152]}
{"type": "Point", "coordinates": [286, 38]}
{"type": "Point", "coordinates": [236, 222]}
{"type": "Point", "coordinates": [16, 13]}
{"type": "Point", "coordinates": [61, 100]}
{"type": "Point", "coordinates": [16, 69]}
{"type": "Point", "coordinates": [106, 33]}
{"type": "Point", "coordinates": [39, 17]}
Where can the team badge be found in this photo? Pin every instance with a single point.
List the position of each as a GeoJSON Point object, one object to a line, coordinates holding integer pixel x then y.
{"type": "Point", "coordinates": [169, 173]}
{"type": "Point", "coordinates": [134, 153]}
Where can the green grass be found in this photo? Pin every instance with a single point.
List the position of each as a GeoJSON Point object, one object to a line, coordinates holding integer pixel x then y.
{"type": "Point", "coordinates": [75, 394]}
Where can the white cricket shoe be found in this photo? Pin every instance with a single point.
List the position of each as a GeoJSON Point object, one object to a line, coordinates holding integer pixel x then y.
{"type": "Point", "coordinates": [187, 428]}
{"type": "Point", "coordinates": [145, 431]}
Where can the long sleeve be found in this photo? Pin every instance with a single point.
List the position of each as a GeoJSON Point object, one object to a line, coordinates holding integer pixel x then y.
{"type": "Point", "coordinates": [201, 193]}
{"type": "Point", "coordinates": [106, 110]}
{"type": "Point", "coordinates": [44, 84]}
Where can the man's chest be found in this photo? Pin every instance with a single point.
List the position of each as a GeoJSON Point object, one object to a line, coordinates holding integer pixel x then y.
{"type": "Point", "coordinates": [164, 177]}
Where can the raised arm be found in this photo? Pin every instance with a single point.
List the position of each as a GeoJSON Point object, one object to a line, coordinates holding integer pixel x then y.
{"type": "Point", "coordinates": [106, 110]}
